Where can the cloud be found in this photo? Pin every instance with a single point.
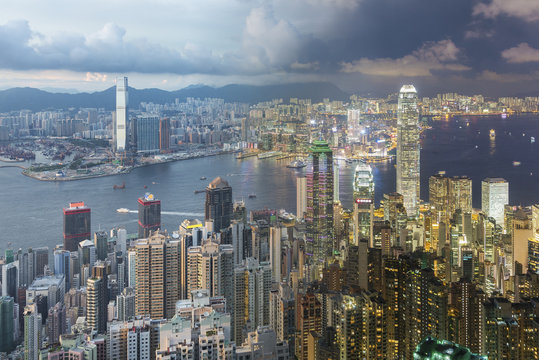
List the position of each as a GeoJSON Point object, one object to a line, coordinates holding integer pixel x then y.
{"type": "Point", "coordinates": [524, 9]}
{"type": "Point", "coordinates": [478, 34]}
{"type": "Point", "coordinates": [441, 55]}
{"type": "Point", "coordinates": [488, 75]}
{"type": "Point", "coordinates": [315, 65]}
{"type": "Point", "coordinates": [522, 53]}
{"type": "Point", "coordinates": [269, 42]}
{"type": "Point", "coordinates": [106, 50]}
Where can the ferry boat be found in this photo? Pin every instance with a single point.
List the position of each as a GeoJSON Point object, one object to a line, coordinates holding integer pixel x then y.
{"type": "Point", "coordinates": [122, 210]}
{"type": "Point", "coordinates": [252, 196]}
{"type": "Point", "coordinates": [516, 163]}
{"type": "Point", "coordinates": [296, 164]}
{"type": "Point", "coordinates": [492, 134]}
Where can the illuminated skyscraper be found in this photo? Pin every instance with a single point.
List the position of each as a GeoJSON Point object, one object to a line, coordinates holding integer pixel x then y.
{"type": "Point", "coordinates": [494, 196]}
{"type": "Point", "coordinates": [408, 149]}
{"type": "Point", "coordinates": [354, 127]}
{"type": "Point", "coordinates": [252, 286]}
{"type": "Point", "coordinates": [363, 203]}
{"type": "Point", "coordinates": [319, 216]}
{"type": "Point", "coordinates": [149, 215]}
{"type": "Point", "coordinates": [121, 116]}
{"type": "Point", "coordinates": [446, 195]}
{"type": "Point", "coordinates": [301, 196]}
{"type": "Point", "coordinates": [308, 319]}
{"type": "Point", "coordinates": [77, 222]}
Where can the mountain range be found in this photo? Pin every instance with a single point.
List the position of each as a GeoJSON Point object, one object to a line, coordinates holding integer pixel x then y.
{"type": "Point", "coordinates": [36, 100]}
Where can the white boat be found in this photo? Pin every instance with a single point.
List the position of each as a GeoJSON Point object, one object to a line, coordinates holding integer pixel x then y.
{"type": "Point", "coordinates": [296, 164]}
{"type": "Point", "coordinates": [516, 163]}
{"type": "Point", "coordinates": [532, 139]}
{"type": "Point", "coordinates": [122, 210]}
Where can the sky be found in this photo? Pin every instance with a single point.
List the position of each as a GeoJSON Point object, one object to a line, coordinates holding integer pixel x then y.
{"type": "Point", "coordinates": [363, 46]}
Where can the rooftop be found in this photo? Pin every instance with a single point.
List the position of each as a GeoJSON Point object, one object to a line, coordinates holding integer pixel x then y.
{"type": "Point", "coordinates": [218, 182]}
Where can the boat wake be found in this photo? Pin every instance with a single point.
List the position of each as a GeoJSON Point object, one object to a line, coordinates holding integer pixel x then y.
{"type": "Point", "coordinates": [176, 213]}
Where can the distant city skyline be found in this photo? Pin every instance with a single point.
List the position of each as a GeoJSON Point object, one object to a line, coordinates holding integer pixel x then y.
{"type": "Point", "coordinates": [482, 46]}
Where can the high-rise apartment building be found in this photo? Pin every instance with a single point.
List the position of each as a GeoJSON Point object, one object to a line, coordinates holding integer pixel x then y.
{"type": "Point", "coordinates": [77, 225]}
{"type": "Point", "coordinates": [283, 313]}
{"type": "Point", "coordinates": [210, 267]}
{"type": "Point", "coordinates": [363, 187]}
{"type": "Point", "coordinates": [149, 215]}
{"type": "Point", "coordinates": [449, 194]}
{"type": "Point", "coordinates": [125, 303]}
{"type": "Point", "coordinates": [494, 197]}
{"type": "Point", "coordinates": [32, 332]}
{"type": "Point", "coordinates": [308, 320]}
{"type": "Point", "coordinates": [56, 323]}
{"type": "Point", "coordinates": [319, 215]}
{"type": "Point", "coordinates": [121, 116]}
{"type": "Point", "coordinates": [219, 204]}
{"type": "Point", "coordinates": [157, 276]}
{"type": "Point", "coordinates": [97, 298]}
{"type": "Point", "coordinates": [147, 134]}
{"type": "Point", "coordinates": [252, 286]}
{"type": "Point", "coordinates": [408, 149]}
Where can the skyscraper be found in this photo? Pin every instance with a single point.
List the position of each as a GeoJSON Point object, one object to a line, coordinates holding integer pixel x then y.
{"type": "Point", "coordinates": [96, 304]}
{"type": "Point", "coordinates": [252, 286]}
{"type": "Point", "coordinates": [209, 267]}
{"type": "Point", "coordinates": [147, 134]}
{"type": "Point", "coordinates": [494, 197]}
{"type": "Point", "coordinates": [301, 196]}
{"type": "Point", "coordinates": [121, 117]}
{"type": "Point", "coordinates": [77, 225]}
{"type": "Point", "coordinates": [157, 276]}
{"type": "Point", "coordinates": [408, 149]}
{"type": "Point", "coordinates": [164, 134]}
{"type": "Point", "coordinates": [32, 332]}
{"type": "Point", "coordinates": [6, 324]}
{"type": "Point", "coordinates": [308, 320]}
{"type": "Point", "coordinates": [363, 203]}
{"type": "Point", "coordinates": [219, 204]}
{"type": "Point", "coordinates": [149, 215]}
{"type": "Point", "coordinates": [319, 216]}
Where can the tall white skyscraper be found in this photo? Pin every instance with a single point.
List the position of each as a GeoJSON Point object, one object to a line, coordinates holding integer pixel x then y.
{"type": "Point", "coordinates": [121, 119]}
{"type": "Point", "coordinates": [408, 149]}
{"type": "Point", "coordinates": [494, 196]}
{"type": "Point", "coordinates": [301, 196]}
{"type": "Point", "coordinates": [353, 133]}
{"type": "Point", "coordinates": [363, 187]}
